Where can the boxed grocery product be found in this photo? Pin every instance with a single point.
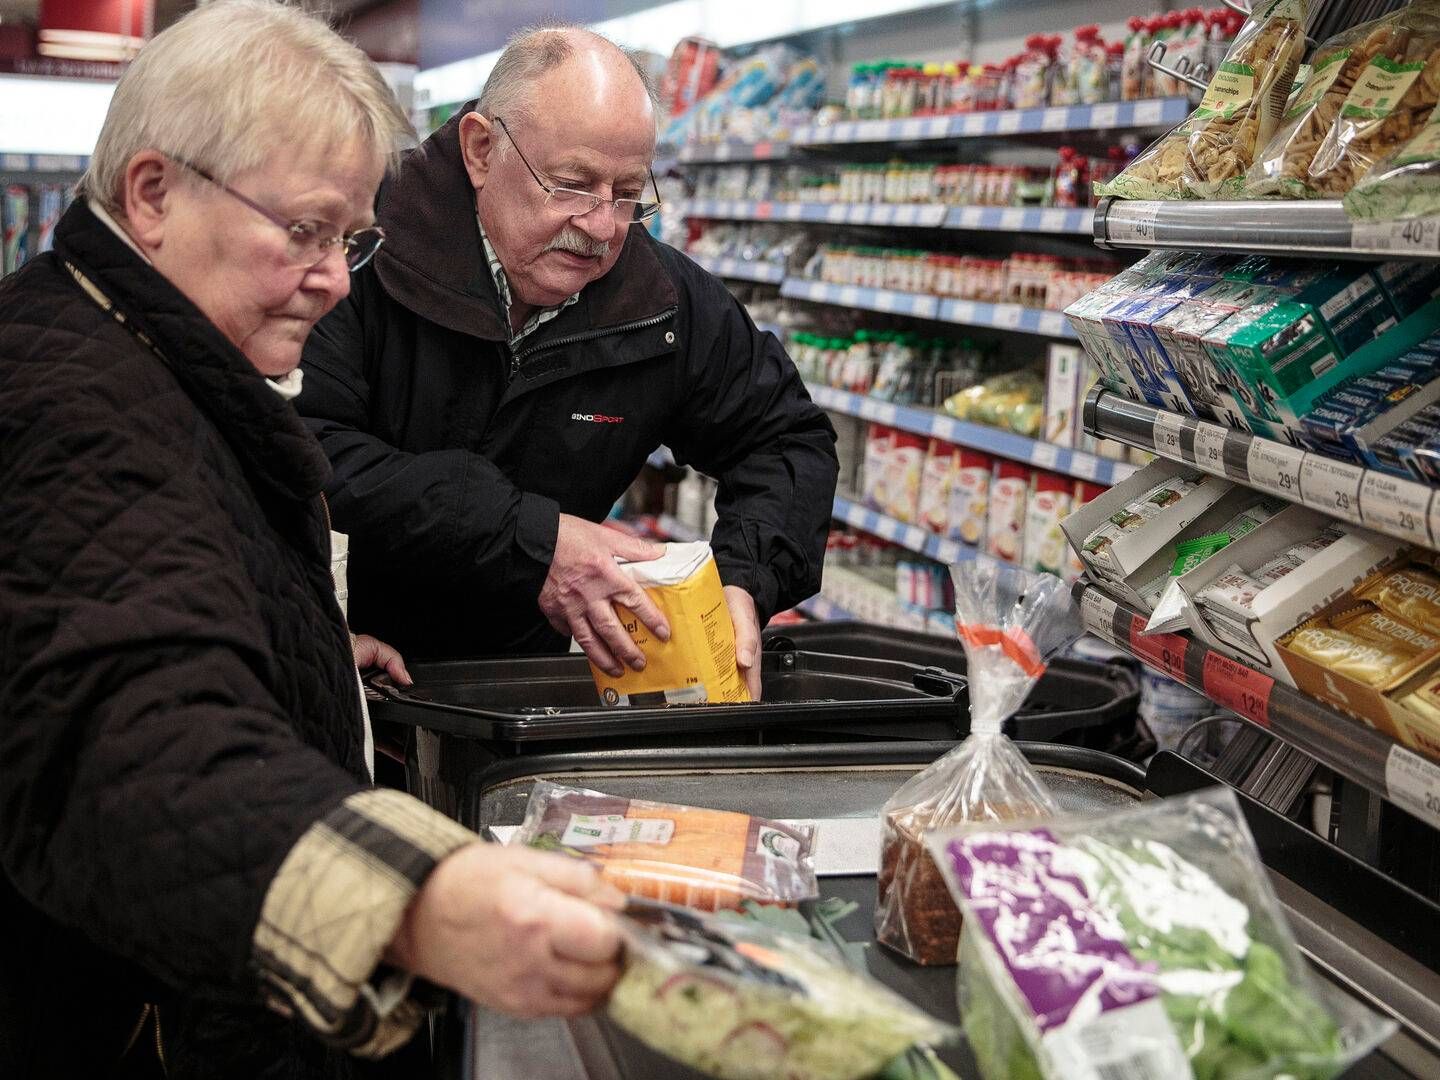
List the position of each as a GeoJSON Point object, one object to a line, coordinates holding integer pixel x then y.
{"type": "Point", "coordinates": [970, 496]}
{"type": "Point", "coordinates": [1117, 533]}
{"type": "Point", "coordinates": [1045, 548]}
{"type": "Point", "coordinates": [1146, 278]}
{"type": "Point", "coordinates": [697, 664]}
{"type": "Point", "coordinates": [879, 441]}
{"type": "Point", "coordinates": [941, 463]}
{"type": "Point", "coordinates": [1005, 526]}
{"type": "Point", "coordinates": [1065, 386]}
{"type": "Point", "coordinates": [1279, 575]}
{"type": "Point", "coordinates": [1131, 326]}
{"type": "Point", "coordinates": [1409, 284]}
{"type": "Point", "coordinates": [1085, 493]}
{"type": "Point", "coordinates": [903, 470]}
{"type": "Point", "coordinates": [1350, 419]}
{"type": "Point", "coordinates": [1181, 333]}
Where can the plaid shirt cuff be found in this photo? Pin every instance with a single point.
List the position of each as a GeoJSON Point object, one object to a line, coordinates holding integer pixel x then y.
{"type": "Point", "coordinates": [334, 907]}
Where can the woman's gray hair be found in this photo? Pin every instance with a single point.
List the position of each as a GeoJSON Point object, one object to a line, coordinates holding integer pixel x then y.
{"type": "Point", "coordinates": [234, 83]}
{"type": "Point", "coordinates": [528, 55]}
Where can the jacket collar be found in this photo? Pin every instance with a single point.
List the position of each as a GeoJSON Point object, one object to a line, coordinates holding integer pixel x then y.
{"type": "Point", "coordinates": [264, 430]}
{"type": "Point", "coordinates": [432, 261]}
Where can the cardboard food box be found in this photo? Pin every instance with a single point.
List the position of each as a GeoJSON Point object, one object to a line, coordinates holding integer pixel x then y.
{"type": "Point", "coordinates": [1131, 326]}
{"type": "Point", "coordinates": [1181, 333]}
{"type": "Point", "coordinates": [1130, 551]}
{"type": "Point", "coordinates": [1065, 387]}
{"type": "Point", "coordinates": [1278, 609]}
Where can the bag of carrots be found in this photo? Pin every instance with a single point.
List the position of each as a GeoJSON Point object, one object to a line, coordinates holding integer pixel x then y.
{"type": "Point", "coordinates": [704, 859]}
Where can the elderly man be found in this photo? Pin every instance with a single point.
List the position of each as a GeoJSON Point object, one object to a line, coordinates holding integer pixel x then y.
{"type": "Point", "coordinates": [518, 348]}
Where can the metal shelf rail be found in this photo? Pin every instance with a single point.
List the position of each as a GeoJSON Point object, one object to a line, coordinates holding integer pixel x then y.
{"type": "Point", "coordinates": [1011, 219]}
{"type": "Point", "coordinates": [1006, 444]}
{"type": "Point", "coordinates": [1313, 228]}
{"type": "Point", "coordinates": [1015, 317]}
{"type": "Point", "coordinates": [1348, 746]}
{"type": "Point", "coordinates": [1401, 508]}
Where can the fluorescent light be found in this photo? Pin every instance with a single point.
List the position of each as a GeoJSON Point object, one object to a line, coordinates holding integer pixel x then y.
{"type": "Point", "coordinates": [51, 116]}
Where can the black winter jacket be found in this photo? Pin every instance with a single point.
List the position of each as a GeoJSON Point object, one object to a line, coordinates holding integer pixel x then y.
{"type": "Point", "coordinates": [177, 691]}
{"type": "Point", "coordinates": [450, 472]}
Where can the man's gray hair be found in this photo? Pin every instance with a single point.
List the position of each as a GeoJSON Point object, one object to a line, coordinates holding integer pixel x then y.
{"type": "Point", "coordinates": [528, 55]}
{"type": "Point", "coordinates": [234, 84]}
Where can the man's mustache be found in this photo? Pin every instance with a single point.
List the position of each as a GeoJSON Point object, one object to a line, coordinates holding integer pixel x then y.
{"type": "Point", "coordinates": [577, 243]}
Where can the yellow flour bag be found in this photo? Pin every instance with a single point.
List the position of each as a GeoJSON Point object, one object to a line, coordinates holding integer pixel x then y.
{"type": "Point", "coordinates": [697, 664]}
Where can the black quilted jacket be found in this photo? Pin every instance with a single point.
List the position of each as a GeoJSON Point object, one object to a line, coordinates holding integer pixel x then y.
{"type": "Point", "coordinates": [177, 696]}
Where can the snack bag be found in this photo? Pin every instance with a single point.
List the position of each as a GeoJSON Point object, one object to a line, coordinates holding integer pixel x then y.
{"type": "Point", "coordinates": [1009, 621]}
{"type": "Point", "coordinates": [739, 1001]}
{"type": "Point", "coordinates": [697, 664]}
{"type": "Point", "coordinates": [704, 859]}
{"type": "Point", "coordinates": [1143, 943]}
{"type": "Point", "coordinates": [1207, 155]}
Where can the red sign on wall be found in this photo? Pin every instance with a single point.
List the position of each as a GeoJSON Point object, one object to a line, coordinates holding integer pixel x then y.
{"type": "Point", "coordinates": [95, 29]}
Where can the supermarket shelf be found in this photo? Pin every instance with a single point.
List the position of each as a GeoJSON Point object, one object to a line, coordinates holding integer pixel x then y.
{"type": "Point", "coordinates": [1350, 747]}
{"type": "Point", "coordinates": [907, 536]}
{"type": "Point", "coordinates": [742, 269]}
{"type": "Point", "coordinates": [1388, 504]}
{"type": "Point", "coordinates": [1030, 219]}
{"type": "Point", "coordinates": [1005, 444]}
{"type": "Point", "coordinates": [710, 153]}
{"type": "Point", "coordinates": [1155, 112]}
{"type": "Point", "coordinates": [1295, 228]}
{"type": "Point", "coordinates": [817, 607]}
{"type": "Point", "coordinates": [676, 530]}
{"type": "Point", "coordinates": [43, 163]}
{"type": "Point", "coordinates": [1014, 317]}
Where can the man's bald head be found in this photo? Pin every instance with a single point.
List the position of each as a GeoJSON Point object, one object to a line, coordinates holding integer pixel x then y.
{"type": "Point", "coordinates": [570, 67]}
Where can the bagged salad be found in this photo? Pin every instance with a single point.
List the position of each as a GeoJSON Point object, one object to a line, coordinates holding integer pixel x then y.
{"type": "Point", "coordinates": [739, 1001]}
{"type": "Point", "coordinates": [1009, 621]}
{"type": "Point", "coordinates": [704, 859]}
{"type": "Point", "coordinates": [1207, 156]}
{"type": "Point", "coordinates": [1144, 943]}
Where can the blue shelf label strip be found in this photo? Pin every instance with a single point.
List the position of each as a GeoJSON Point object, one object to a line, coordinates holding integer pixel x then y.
{"type": "Point", "coordinates": [1061, 220]}
{"type": "Point", "coordinates": [911, 537]}
{"type": "Point", "coordinates": [920, 306]}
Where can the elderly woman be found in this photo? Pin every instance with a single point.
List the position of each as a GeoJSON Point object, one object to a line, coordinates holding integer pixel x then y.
{"type": "Point", "coordinates": [195, 872]}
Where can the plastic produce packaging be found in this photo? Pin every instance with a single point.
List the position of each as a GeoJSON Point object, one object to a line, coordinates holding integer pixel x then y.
{"type": "Point", "coordinates": [1009, 621]}
{"type": "Point", "coordinates": [705, 859]}
{"type": "Point", "coordinates": [1145, 944]}
{"type": "Point", "coordinates": [1208, 155]}
{"type": "Point", "coordinates": [739, 1001]}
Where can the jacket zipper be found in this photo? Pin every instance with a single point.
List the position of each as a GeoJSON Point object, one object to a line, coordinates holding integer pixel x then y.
{"type": "Point", "coordinates": [589, 335]}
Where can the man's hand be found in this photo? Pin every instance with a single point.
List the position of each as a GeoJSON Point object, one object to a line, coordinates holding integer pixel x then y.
{"type": "Point", "coordinates": [747, 636]}
{"type": "Point", "coordinates": [526, 932]}
{"type": "Point", "coordinates": [372, 653]}
{"type": "Point", "coordinates": [584, 585]}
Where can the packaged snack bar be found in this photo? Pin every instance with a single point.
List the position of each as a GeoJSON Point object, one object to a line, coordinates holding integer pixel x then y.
{"type": "Point", "coordinates": [1368, 662]}
{"type": "Point", "coordinates": [1138, 511]}
{"type": "Point", "coordinates": [1009, 621]}
{"type": "Point", "coordinates": [1409, 593]}
{"type": "Point", "coordinates": [697, 664]}
{"type": "Point", "coordinates": [704, 859]}
{"type": "Point", "coordinates": [1139, 944]}
{"type": "Point", "coordinates": [1372, 624]}
{"type": "Point", "coordinates": [1275, 569]}
{"type": "Point", "coordinates": [1425, 700]}
{"type": "Point", "coordinates": [736, 1000]}
{"type": "Point", "coordinates": [1284, 169]}
{"type": "Point", "coordinates": [1234, 590]}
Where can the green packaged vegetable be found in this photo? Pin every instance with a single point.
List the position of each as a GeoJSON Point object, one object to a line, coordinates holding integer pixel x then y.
{"type": "Point", "coordinates": [1145, 944]}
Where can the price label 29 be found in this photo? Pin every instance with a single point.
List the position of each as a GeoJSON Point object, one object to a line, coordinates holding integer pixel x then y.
{"type": "Point", "coordinates": [1276, 467]}
{"type": "Point", "coordinates": [1166, 434]}
{"type": "Point", "coordinates": [1210, 448]}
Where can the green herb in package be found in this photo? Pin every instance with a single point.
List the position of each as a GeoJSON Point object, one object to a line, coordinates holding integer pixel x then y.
{"type": "Point", "coordinates": [1207, 155]}
{"type": "Point", "coordinates": [1145, 944]}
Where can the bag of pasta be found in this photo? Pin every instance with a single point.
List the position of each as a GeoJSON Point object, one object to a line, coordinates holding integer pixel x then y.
{"type": "Point", "coordinates": [1245, 100]}
{"type": "Point", "coordinates": [1208, 154]}
{"type": "Point", "coordinates": [1384, 92]}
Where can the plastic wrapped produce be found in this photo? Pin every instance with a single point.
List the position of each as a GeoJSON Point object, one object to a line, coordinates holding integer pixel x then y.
{"type": "Point", "coordinates": [739, 1001]}
{"type": "Point", "coordinates": [1145, 944]}
{"type": "Point", "coordinates": [1009, 621]}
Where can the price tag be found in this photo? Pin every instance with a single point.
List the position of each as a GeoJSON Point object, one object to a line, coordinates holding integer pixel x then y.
{"type": "Point", "coordinates": [910, 129]}
{"type": "Point", "coordinates": [1054, 221]}
{"type": "Point", "coordinates": [1332, 486]}
{"type": "Point", "coordinates": [1395, 506]}
{"type": "Point", "coordinates": [722, 152]}
{"type": "Point", "coordinates": [1105, 116]}
{"type": "Point", "coordinates": [1009, 123]}
{"type": "Point", "coordinates": [1149, 112]}
{"type": "Point", "coordinates": [869, 409]}
{"type": "Point", "coordinates": [948, 552]}
{"type": "Point", "coordinates": [905, 215]}
{"type": "Point", "coordinates": [937, 127]}
{"type": "Point", "coordinates": [1165, 652]}
{"type": "Point", "coordinates": [1084, 466]}
{"type": "Point", "coordinates": [915, 538]}
{"type": "Point", "coordinates": [1210, 448]}
{"type": "Point", "coordinates": [849, 296]}
{"type": "Point", "coordinates": [1165, 434]}
{"type": "Point", "coordinates": [1012, 219]}
{"type": "Point", "coordinates": [931, 215]}
{"type": "Point", "coordinates": [794, 211]}
{"type": "Point", "coordinates": [1052, 323]}
{"type": "Point", "coordinates": [1413, 783]}
{"type": "Point", "coordinates": [924, 307]}
{"type": "Point", "coordinates": [871, 130]}
{"type": "Point", "coordinates": [15, 162]}
{"type": "Point", "coordinates": [1045, 456]}
{"type": "Point", "coordinates": [889, 528]}
{"type": "Point", "coordinates": [885, 300]}
{"type": "Point", "coordinates": [1007, 316]}
{"type": "Point", "coordinates": [1418, 236]}
{"type": "Point", "coordinates": [971, 217]}
{"type": "Point", "coordinates": [941, 426]}
{"type": "Point", "coordinates": [882, 215]}
{"type": "Point", "coordinates": [1127, 223]}
{"type": "Point", "coordinates": [761, 150]}
{"type": "Point", "coordinates": [886, 413]}
{"type": "Point", "coordinates": [975, 123]}
{"type": "Point", "coordinates": [1097, 611]}
{"type": "Point", "coordinates": [1237, 687]}
{"type": "Point", "coordinates": [1275, 467]}
{"type": "Point", "coordinates": [837, 213]}
{"type": "Point", "coordinates": [764, 211]}
{"type": "Point", "coordinates": [961, 311]}
{"type": "Point", "coordinates": [1054, 119]}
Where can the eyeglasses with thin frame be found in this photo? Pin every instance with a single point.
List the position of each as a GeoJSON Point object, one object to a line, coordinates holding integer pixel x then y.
{"type": "Point", "coordinates": [575, 203]}
{"type": "Point", "coordinates": [309, 244]}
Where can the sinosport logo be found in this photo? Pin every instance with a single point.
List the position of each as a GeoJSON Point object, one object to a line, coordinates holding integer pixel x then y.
{"type": "Point", "coordinates": [596, 418]}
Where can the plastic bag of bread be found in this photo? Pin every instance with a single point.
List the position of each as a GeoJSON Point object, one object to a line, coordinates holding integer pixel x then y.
{"type": "Point", "coordinates": [1245, 100]}
{"type": "Point", "coordinates": [1009, 621]}
{"type": "Point", "coordinates": [1207, 155]}
{"type": "Point", "coordinates": [1387, 103]}
{"type": "Point", "coordinates": [1283, 169]}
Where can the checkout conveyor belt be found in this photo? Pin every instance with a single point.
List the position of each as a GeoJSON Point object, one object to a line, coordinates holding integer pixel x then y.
{"type": "Point", "coordinates": [1352, 941]}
